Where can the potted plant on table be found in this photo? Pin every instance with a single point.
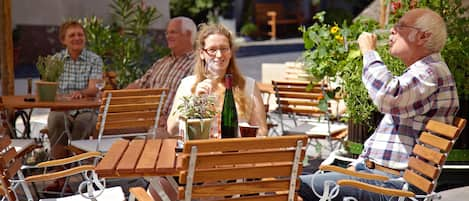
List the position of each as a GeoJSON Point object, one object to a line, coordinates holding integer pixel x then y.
{"type": "Point", "coordinates": [50, 68]}
{"type": "Point", "coordinates": [196, 116]}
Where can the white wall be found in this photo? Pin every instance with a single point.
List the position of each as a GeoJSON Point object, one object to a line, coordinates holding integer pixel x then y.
{"type": "Point", "coordinates": [54, 12]}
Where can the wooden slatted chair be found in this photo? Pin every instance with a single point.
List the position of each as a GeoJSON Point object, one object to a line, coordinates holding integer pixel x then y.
{"type": "Point", "coordinates": [12, 177]}
{"type": "Point", "coordinates": [124, 113]}
{"type": "Point", "coordinates": [239, 169]}
{"type": "Point", "coordinates": [299, 99]}
{"type": "Point", "coordinates": [22, 146]}
{"type": "Point", "coordinates": [10, 166]}
{"type": "Point", "coordinates": [425, 164]}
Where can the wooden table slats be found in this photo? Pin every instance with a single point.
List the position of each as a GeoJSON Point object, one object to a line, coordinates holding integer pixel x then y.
{"type": "Point", "coordinates": [167, 161]}
{"type": "Point", "coordinates": [130, 158]}
{"type": "Point", "coordinates": [148, 159]}
{"type": "Point", "coordinates": [139, 157]}
{"type": "Point", "coordinates": [108, 164]}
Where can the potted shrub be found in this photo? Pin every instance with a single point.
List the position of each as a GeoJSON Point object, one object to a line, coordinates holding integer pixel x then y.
{"type": "Point", "coordinates": [50, 68]}
{"type": "Point", "coordinates": [126, 44]}
{"type": "Point", "coordinates": [196, 116]}
{"type": "Point", "coordinates": [331, 55]}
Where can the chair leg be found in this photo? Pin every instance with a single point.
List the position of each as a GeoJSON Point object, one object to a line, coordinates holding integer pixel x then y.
{"type": "Point", "coordinates": [156, 185]}
{"type": "Point", "coordinates": [25, 187]}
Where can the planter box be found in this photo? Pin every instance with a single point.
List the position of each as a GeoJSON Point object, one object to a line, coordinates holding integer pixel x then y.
{"type": "Point", "coordinates": [195, 129]}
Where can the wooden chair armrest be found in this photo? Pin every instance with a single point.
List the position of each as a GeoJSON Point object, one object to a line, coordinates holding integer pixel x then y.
{"type": "Point", "coordinates": [140, 194]}
{"type": "Point", "coordinates": [362, 175]}
{"type": "Point", "coordinates": [68, 160]}
{"type": "Point", "coordinates": [59, 174]}
{"type": "Point", "coordinates": [376, 189]}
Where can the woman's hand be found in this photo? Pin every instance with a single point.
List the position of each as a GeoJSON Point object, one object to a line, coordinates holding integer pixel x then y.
{"type": "Point", "coordinates": [204, 87]}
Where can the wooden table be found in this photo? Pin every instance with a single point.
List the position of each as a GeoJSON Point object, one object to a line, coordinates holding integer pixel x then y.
{"type": "Point", "coordinates": [63, 104]}
{"type": "Point", "coordinates": [18, 102]}
{"type": "Point", "coordinates": [139, 158]}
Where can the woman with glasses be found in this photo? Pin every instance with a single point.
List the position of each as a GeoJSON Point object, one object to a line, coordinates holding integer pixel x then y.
{"type": "Point", "coordinates": [215, 58]}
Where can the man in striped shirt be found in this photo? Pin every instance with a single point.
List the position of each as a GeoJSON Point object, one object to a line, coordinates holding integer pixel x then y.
{"type": "Point", "coordinates": [425, 91]}
{"type": "Point", "coordinates": [168, 71]}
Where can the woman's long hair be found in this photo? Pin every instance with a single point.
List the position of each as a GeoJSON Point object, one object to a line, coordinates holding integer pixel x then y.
{"type": "Point", "coordinates": [239, 82]}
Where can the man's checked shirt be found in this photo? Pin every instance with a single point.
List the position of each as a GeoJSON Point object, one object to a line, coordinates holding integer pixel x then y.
{"type": "Point", "coordinates": [168, 72]}
{"type": "Point", "coordinates": [77, 73]}
{"type": "Point", "coordinates": [425, 91]}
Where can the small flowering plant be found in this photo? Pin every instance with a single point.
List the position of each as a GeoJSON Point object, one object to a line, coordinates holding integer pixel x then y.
{"type": "Point", "coordinates": [324, 46]}
{"type": "Point", "coordinates": [330, 53]}
{"type": "Point", "coordinates": [325, 49]}
{"type": "Point", "coordinates": [197, 107]}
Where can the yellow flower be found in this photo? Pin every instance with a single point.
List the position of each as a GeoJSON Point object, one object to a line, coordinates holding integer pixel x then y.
{"type": "Point", "coordinates": [335, 29]}
{"type": "Point", "coordinates": [339, 38]}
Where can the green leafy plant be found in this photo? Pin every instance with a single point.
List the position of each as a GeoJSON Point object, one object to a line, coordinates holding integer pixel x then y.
{"type": "Point", "coordinates": [199, 10]}
{"type": "Point", "coordinates": [124, 43]}
{"type": "Point", "coordinates": [197, 107]}
{"type": "Point", "coordinates": [331, 53]}
{"type": "Point", "coordinates": [324, 46]}
{"type": "Point", "coordinates": [248, 29]}
{"type": "Point", "coordinates": [50, 68]}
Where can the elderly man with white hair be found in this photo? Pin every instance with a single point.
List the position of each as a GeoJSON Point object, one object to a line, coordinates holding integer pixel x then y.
{"type": "Point", "coordinates": [426, 90]}
{"type": "Point", "coordinates": [168, 71]}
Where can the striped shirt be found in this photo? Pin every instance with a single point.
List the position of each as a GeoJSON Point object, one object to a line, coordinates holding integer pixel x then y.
{"type": "Point", "coordinates": [168, 72]}
{"type": "Point", "coordinates": [425, 91]}
{"type": "Point", "coordinates": [77, 73]}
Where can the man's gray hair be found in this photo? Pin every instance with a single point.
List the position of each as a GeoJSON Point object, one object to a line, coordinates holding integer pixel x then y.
{"type": "Point", "coordinates": [187, 25]}
{"type": "Point", "coordinates": [434, 24]}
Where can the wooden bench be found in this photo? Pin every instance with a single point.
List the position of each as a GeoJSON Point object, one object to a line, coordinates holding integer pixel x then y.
{"type": "Point", "coordinates": [273, 14]}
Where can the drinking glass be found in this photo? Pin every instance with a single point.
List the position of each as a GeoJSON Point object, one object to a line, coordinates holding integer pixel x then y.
{"type": "Point", "coordinates": [382, 34]}
{"type": "Point", "coordinates": [214, 130]}
{"type": "Point", "coordinates": [210, 75]}
{"type": "Point", "coordinates": [100, 83]}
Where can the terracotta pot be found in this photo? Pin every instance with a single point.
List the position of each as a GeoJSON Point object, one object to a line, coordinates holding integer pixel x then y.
{"type": "Point", "coordinates": [46, 91]}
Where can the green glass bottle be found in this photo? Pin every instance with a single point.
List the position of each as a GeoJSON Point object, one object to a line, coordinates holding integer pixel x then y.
{"type": "Point", "coordinates": [229, 116]}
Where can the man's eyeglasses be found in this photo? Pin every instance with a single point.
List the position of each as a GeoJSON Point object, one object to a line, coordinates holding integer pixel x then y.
{"type": "Point", "coordinates": [398, 27]}
{"type": "Point", "coordinates": [213, 51]}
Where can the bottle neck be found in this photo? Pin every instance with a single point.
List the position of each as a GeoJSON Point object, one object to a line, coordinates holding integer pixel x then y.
{"type": "Point", "coordinates": [228, 81]}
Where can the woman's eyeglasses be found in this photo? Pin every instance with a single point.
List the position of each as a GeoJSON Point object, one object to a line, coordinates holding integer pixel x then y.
{"type": "Point", "coordinates": [213, 51]}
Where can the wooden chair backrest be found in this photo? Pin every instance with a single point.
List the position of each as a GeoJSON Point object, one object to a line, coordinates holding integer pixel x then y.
{"type": "Point", "coordinates": [430, 153]}
{"type": "Point", "coordinates": [298, 97]}
{"type": "Point", "coordinates": [261, 10]}
{"type": "Point", "coordinates": [9, 166]}
{"type": "Point", "coordinates": [130, 111]}
{"type": "Point", "coordinates": [257, 168]}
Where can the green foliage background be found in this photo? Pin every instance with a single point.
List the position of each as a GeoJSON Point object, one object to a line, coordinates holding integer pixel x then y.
{"type": "Point", "coordinates": [201, 11]}
{"type": "Point", "coordinates": [124, 44]}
